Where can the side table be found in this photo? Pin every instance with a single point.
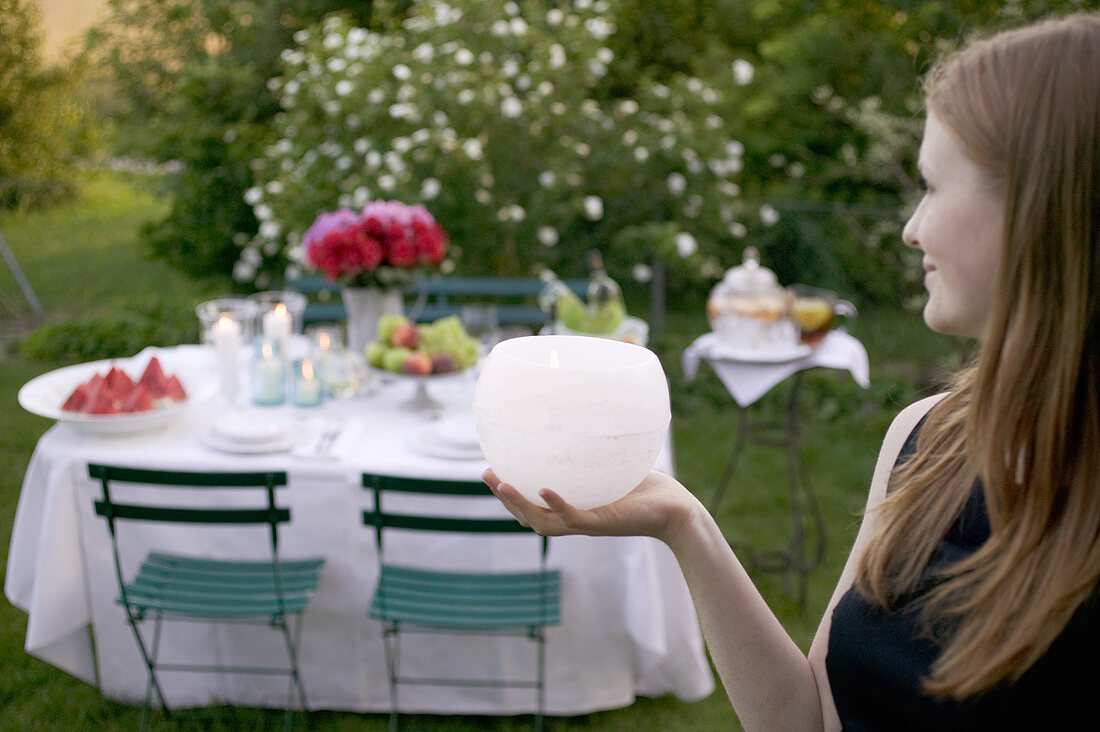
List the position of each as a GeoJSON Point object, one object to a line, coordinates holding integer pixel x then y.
{"type": "Point", "coordinates": [748, 377]}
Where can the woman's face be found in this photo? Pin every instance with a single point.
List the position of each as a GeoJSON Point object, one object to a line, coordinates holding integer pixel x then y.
{"type": "Point", "coordinates": [958, 228]}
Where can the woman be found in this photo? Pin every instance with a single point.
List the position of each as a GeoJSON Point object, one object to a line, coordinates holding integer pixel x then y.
{"type": "Point", "coordinates": [969, 598]}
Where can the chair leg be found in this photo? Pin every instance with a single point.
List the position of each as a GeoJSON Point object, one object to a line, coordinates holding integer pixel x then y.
{"type": "Point", "coordinates": [150, 659]}
{"type": "Point", "coordinates": [391, 647]}
{"type": "Point", "coordinates": [292, 641]}
{"type": "Point", "coordinates": [540, 638]}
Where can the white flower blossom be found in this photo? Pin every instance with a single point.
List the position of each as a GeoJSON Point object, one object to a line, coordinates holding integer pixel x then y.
{"type": "Point", "coordinates": [242, 272]}
{"type": "Point", "coordinates": [554, 17]}
{"type": "Point", "coordinates": [738, 230]}
{"type": "Point", "coordinates": [263, 212]}
{"type": "Point", "coordinates": [270, 230]}
{"type": "Point", "coordinates": [677, 183]}
{"type": "Point", "coordinates": [344, 87]}
{"type": "Point", "coordinates": [376, 95]}
{"type": "Point", "coordinates": [511, 107]}
{"type": "Point", "coordinates": [386, 182]}
{"type": "Point", "coordinates": [643, 272]}
{"type": "Point", "coordinates": [557, 56]}
{"type": "Point", "coordinates": [464, 57]}
{"type": "Point", "coordinates": [291, 87]}
{"type": "Point", "coordinates": [253, 195]}
{"type": "Point", "coordinates": [547, 178]}
{"type": "Point", "coordinates": [686, 244]}
{"type": "Point", "coordinates": [641, 154]}
{"type": "Point", "coordinates": [548, 236]}
{"type": "Point", "coordinates": [472, 148]}
{"type": "Point", "coordinates": [743, 71]}
{"type": "Point", "coordinates": [593, 208]}
{"type": "Point", "coordinates": [769, 216]}
{"type": "Point", "coordinates": [430, 188]}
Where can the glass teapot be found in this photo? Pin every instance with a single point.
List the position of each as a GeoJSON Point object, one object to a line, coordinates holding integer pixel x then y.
{"type": "Point", "coordinates": [747, 308]}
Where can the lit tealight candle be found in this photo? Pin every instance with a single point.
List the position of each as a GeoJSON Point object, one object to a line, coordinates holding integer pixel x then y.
{"type": "Point", "coordinates": [226, 337]}
{"type": "Point", "coordinates": [277, 326]}
{"type": "Point", "coordinates": [307, 384]}
{"type": "Point", "coordinates": [268, 374]}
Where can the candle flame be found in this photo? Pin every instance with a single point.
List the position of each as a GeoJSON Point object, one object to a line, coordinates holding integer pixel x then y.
{"type": "Point", "coordinates": [280, 309]}
{"type": "Point", "coordinates": [323, 341]}
{"type": "Point", "coordinates": [554, 359]}
{"type": "Point", "coordinates": [307, 369]}
{"type": "Point", "coordinates": [266, 348]}
{"type": "Point", "coordinates": [225, 321]}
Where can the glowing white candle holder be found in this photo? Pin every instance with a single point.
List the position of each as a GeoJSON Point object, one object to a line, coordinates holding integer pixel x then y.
{"type": "Point", "coordinates": [585, 417]}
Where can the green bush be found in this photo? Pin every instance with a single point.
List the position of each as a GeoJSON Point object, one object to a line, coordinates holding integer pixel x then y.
{"type": "Point", "coordinates": [34, 112]}
{"type": "Point", "coordinates": [126, 329]}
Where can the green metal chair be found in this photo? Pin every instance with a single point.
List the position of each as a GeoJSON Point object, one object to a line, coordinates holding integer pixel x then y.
{"type": "Point", "coordinates": [426, 600]}
{"type": "Point", "coordinates": [172, 587]}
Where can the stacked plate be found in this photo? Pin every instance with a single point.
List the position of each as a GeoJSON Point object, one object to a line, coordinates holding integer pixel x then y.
{"type": "Point", "coordinates": [249, 432]}
{"type": "Point", "coordinates": [452, 438]}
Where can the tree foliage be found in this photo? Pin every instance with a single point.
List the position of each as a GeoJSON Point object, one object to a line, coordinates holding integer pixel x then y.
{"type": "Point", "coordinates": [823, 107]}
{"type": "Point", "coordinates": [34, 112]}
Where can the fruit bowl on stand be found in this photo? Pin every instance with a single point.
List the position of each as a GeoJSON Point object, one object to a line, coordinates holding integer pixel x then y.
{"type": "Point", "coordinates": [421, 354]}
{"type": "Point", "coordinates": [421, 400]}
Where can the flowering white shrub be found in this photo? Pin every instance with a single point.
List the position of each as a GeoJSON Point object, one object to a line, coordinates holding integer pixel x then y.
{"type": "Point", "coordinates": [499, 117]}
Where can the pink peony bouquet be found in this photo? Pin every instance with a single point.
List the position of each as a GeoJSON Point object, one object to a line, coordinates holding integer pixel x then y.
{"type": "Point", "coordinates": [382, 245]}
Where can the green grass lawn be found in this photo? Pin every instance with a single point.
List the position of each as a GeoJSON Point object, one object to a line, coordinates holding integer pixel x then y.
{"type": "Point", "coordinates": [85, 257]}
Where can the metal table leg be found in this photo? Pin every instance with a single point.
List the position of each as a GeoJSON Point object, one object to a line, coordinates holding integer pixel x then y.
{"type": "Point", "coordinates": [806, 546]}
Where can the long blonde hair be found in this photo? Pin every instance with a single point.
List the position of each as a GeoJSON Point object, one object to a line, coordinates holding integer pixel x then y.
{"type": "Point", "coordinates": [1024, 106]}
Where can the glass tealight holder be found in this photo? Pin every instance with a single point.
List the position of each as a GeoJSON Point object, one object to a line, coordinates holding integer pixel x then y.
{"type": "Point", "coordinates": [240, 310]}
{"type": "Point", "coordinates": [295, 303]}
{"type": "Point", "coordinates": [268, 373]}
{"type": "Point", "coordinates": [309, 386]}
{"type": "Point", "coordinates": [345, 373]}
{"type": "Point", "coordinates": [325, 338]}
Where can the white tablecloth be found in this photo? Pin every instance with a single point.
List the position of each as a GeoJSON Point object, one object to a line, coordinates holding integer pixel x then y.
{"type": "Point", "coordinates": [628, 627]}
{"type": "Point", "coordinates": [748, 378]}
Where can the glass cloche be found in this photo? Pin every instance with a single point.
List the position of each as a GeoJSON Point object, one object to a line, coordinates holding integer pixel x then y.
{"type": "Point", "coordinates": [747, 308]}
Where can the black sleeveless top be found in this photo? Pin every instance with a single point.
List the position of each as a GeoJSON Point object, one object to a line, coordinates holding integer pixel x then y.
{"type": "Point", "coordinates": [876, 659]}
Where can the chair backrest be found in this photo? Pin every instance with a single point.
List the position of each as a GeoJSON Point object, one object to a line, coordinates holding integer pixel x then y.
{"type": "Point", "coordinates": [431, 298]}
{"type": "Point", "coordinates": [266, 513]}
{"type": "Point", "coordinates": [381, 518]}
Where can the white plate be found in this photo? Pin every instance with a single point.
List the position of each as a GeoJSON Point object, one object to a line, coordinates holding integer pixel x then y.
{"type": "Point", "coordinates": [248, 428]}
{"type": "Point", "coordinates": [44, 395]}
{"type": "Point", "coordinates": [456, 432]}
{"type": "Point", "coordinates": [771, 354]}
{"type": "Point", "coordinates": [426, 443]}
{"type": "Point", "coordinates": [279, 444]}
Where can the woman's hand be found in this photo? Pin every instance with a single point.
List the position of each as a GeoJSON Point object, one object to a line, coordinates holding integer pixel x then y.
{"type": "Point", "coordinates": [657, 507]}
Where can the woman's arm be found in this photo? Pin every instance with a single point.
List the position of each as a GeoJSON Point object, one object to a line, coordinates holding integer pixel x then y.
{"type": "Point", "coordinates": [771, 684]}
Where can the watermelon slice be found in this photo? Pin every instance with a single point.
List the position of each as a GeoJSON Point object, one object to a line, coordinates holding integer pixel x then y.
{"type": "Point", "coordinates": [153, 373]}
{"type": "Point", "coordinates": [136, 401]}
{"type": "Point", "coordinates": [99, 399]}
{"type": "Point", "coordinates": [76, 400]}
{"type": "Point", "coordinates": [119, 383]}
{"type": "Point", "coordinates": [174, 389]}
